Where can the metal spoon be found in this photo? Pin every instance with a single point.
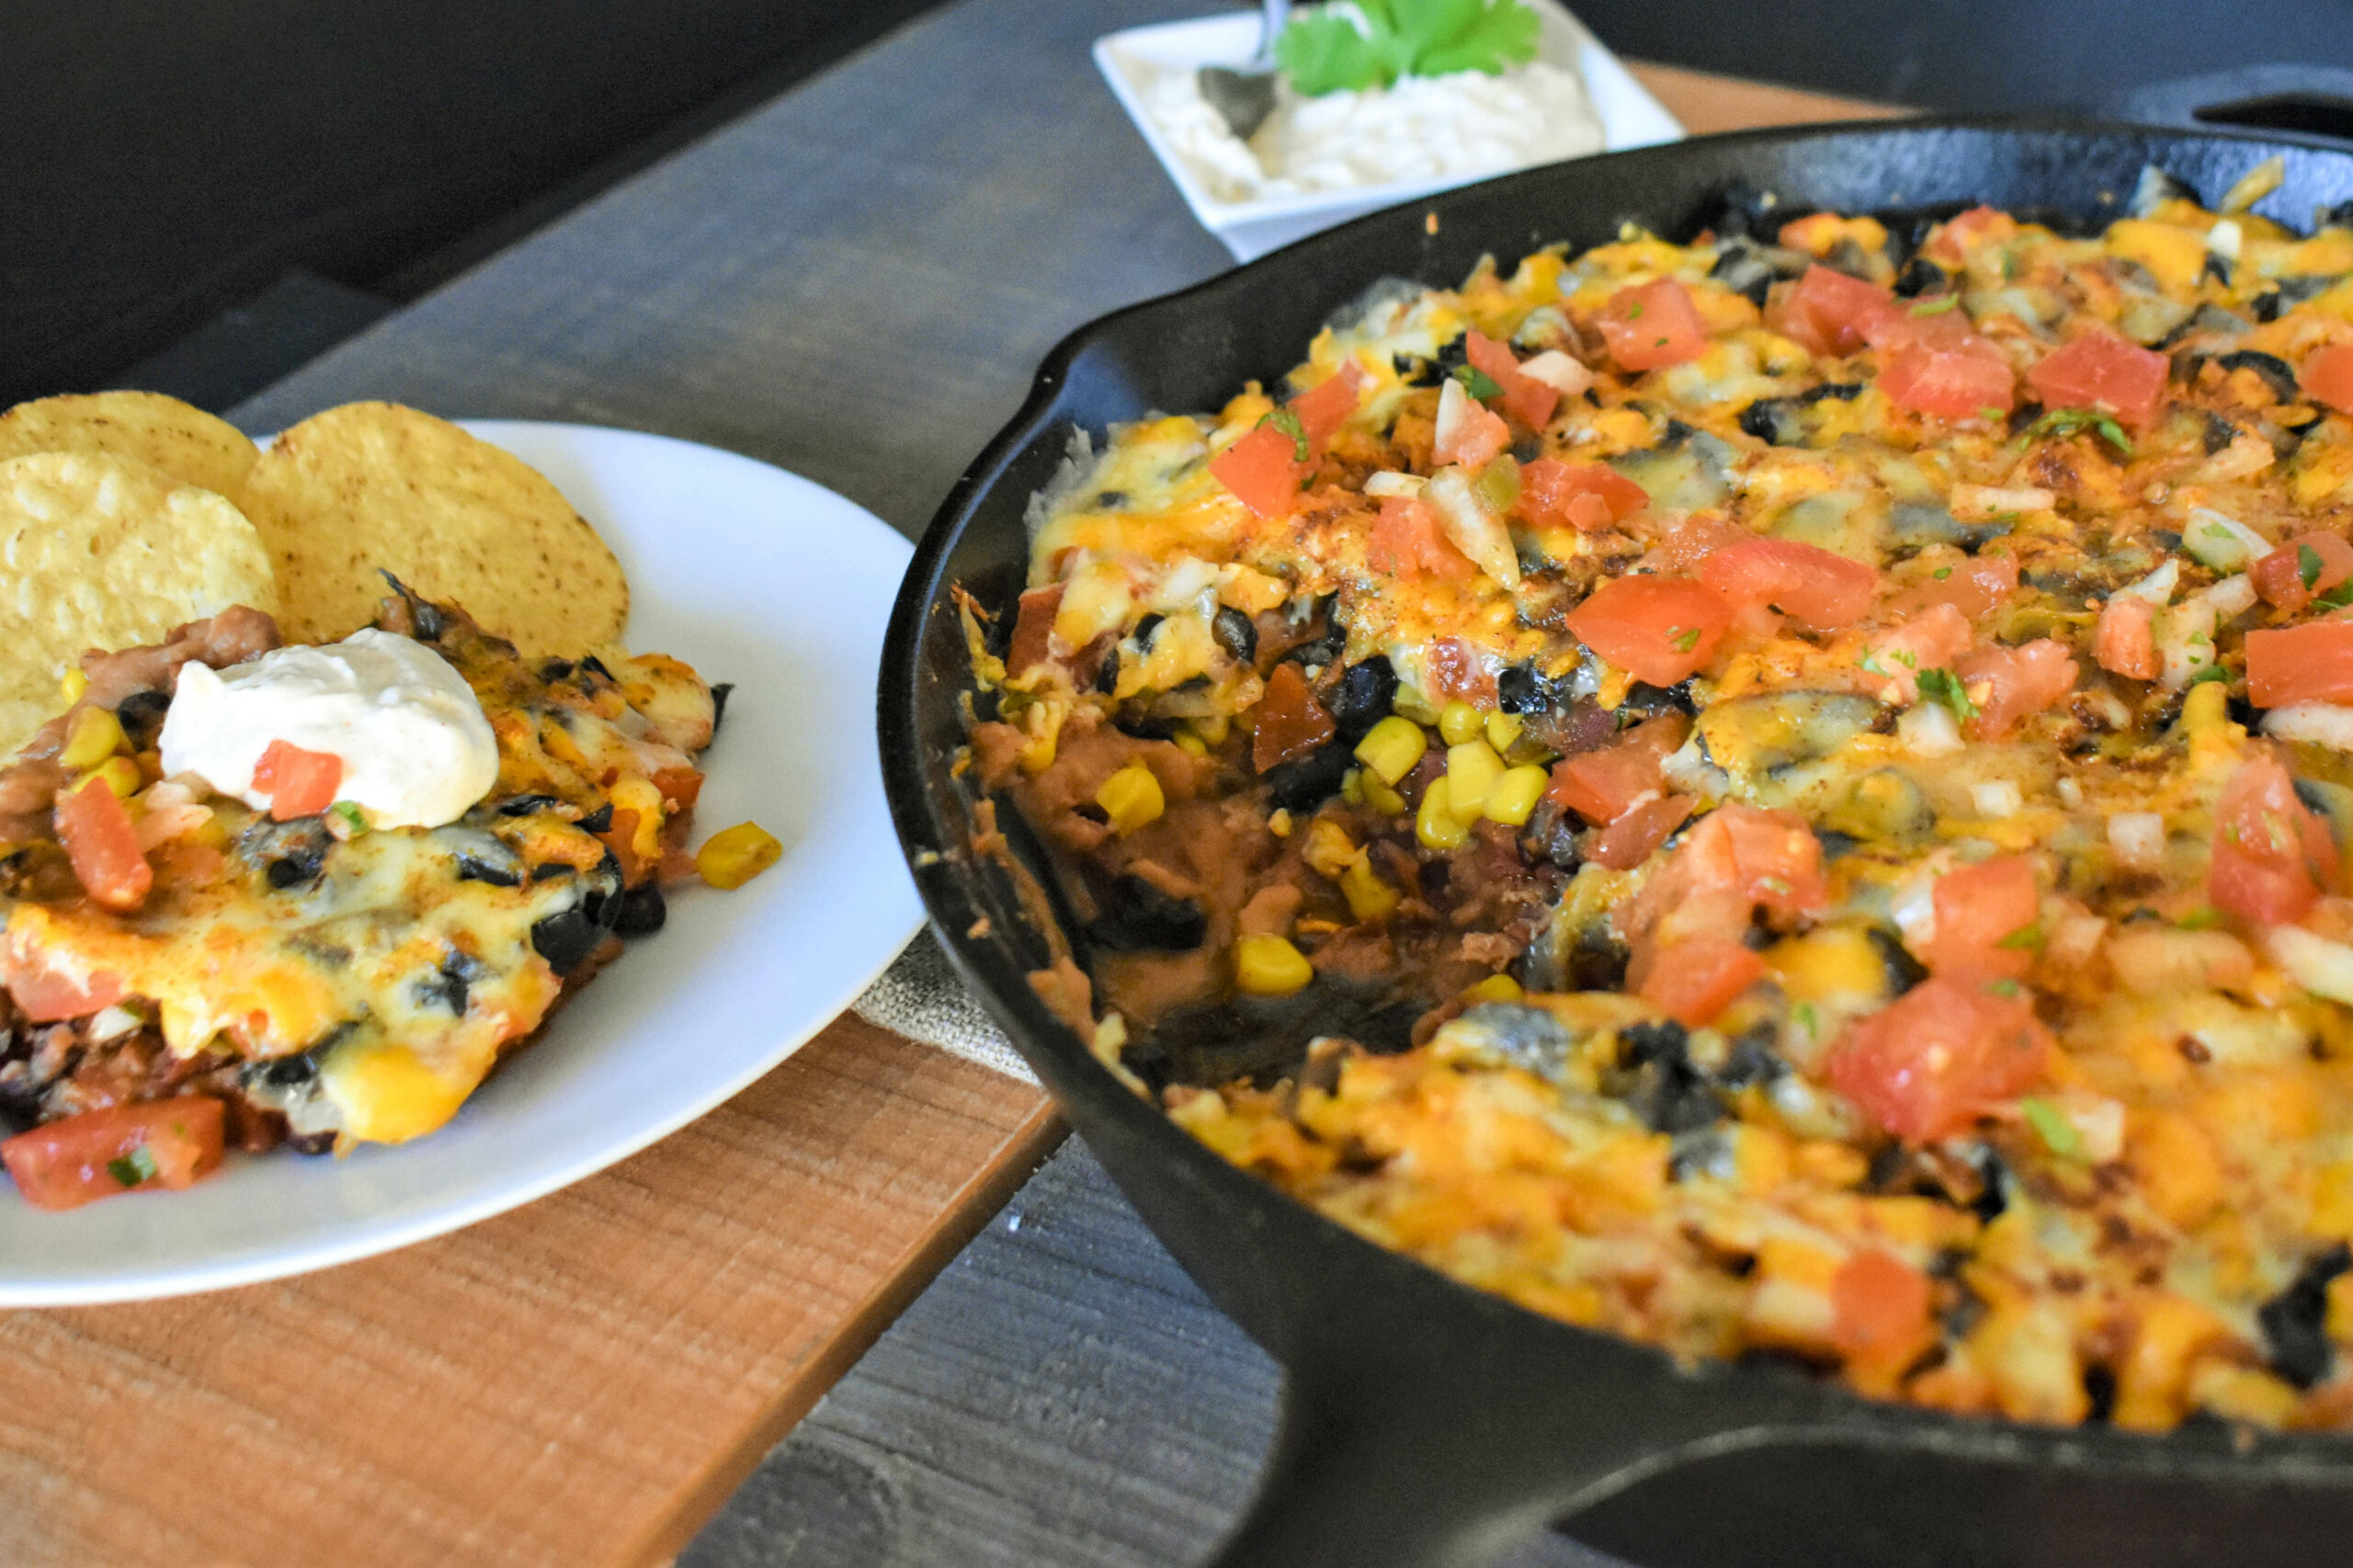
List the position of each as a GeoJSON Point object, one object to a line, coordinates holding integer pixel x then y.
{"type": "Point", "coordinates": [1245, 97]}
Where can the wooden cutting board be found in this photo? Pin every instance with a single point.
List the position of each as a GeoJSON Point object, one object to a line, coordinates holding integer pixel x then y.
{"type": "Point", "coordinates": [577, 1383]}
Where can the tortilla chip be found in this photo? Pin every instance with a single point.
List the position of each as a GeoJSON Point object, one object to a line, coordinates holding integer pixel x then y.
{"type": "Point", "coordinates": [374, 487]}
{"type": "Point", "coordinates": [99, 551]}
{"type": "Point", "coordinates": [184, 442]}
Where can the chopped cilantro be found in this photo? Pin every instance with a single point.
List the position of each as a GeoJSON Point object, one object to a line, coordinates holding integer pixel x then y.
{"type": "Point", "coordinates": [2002, 988]}
{"type": "Point", "coordinates": [1287, 421]}
{"type": "Point", "coordinates": [1937, 306]}
{"type": "Point", "coordinates": [2340, 596]}
{"type": "Point", "coordinates": [1477, 382]}
{"type": "Point", "coordinates": [2204, 918]}
{"type": "Point", "coordinates": [1684, 641]}
{"type": "Point", "coordinates": [1634, 309]}
{"type": "Point", "coordinates": [1943, 686]}
{"type": "Point", "coordinates": [356, 820]}
{"type": "Point", "coordinates": [2211, 672]}
{"type": "Point", "coordinates": [132, 1168]}
{"type": "Point", "coordinates": [2064, 422]}
{"type": "Point", "coordinates": [1807, 1018]}
{"type": "Point", "coordinates": [2308, 565]}
{"type": "Point", "coordinates": [2027, 938]}
{"type": "Point", "coordinates": [1941, 573]}
{"type": "Point", "coordinates": [2050, 1125]}
{"type": "Point", "coordinates": [1328, 50]}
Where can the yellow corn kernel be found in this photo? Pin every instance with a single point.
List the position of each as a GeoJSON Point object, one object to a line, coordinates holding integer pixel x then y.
{"type": "Point", "coordinates": [1372, 898]}
{"type": "Point", "coordinates": [1458, 722]}
{"type": "Point", "coordinates": [1515, 794]}
{"type": "Point", "coordinates": [1352, 786]}
{"type": "Point", "coordinates": [1472, 771]}
{"type": "Point", "coordinates": [1132, 798]}
{"type": "Point", "coordinates": [94, 735]}
{"type": "Point", "coordinates": [1213, 729]}
{"type": "Point", "coordinates": [1278, 822]}
{"type": "Point", "coordinates": [1390, 748]}
{"type": "Point", "coordinates": [1329, 849]}
{"type": "Point", "coordinates": [73, 685]}
{"type": "Point", "coordinates": [1191, 743]}
{"type": "Point", "coordinates": [1271, 966]}
{"type": "Point", "coordinates": [1503, 729]}
{"type": "Point", "coordinates": [1436, 824]}
{"type": "Point", "coordinates": [734, 856]}
{"type": "Point", "coordinates": [1410, 703]}
{"type": "Point", "coordinates": [642, 796]}
{"type": "Point", "coordinates": [1494, 988]}
{"type": "Point", "coordinates": [1381, 798]}
{"type": "Point", "coordinates": [121, 776]}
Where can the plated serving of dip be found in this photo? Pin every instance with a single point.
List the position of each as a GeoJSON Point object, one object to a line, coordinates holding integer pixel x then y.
{"type": "Point", "coordinates": [1321, 159]}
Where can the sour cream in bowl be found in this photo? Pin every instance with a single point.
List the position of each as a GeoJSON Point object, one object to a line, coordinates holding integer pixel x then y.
{"type": "Point", "coordinates": [416, 748]}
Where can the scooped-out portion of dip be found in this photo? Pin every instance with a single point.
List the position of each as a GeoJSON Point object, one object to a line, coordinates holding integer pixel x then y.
{"type": "Point", "coordinates": [1783, 794]}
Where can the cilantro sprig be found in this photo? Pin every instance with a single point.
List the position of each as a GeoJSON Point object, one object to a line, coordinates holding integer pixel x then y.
{"type": "Point", "coordinates": [1943, 686]}
{"type": "Point", "coordinates": [1330, 50]}
{"type": "Point", "coordinates": [2066, 422]}
{"type": "Point", "coordinates": [1477, 382]}
{"type": "Point", "coordinates": [1284, 421]}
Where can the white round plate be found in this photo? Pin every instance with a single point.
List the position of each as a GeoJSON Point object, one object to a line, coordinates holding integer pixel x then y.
{"type": "Point", "coordinates": [754, 576]}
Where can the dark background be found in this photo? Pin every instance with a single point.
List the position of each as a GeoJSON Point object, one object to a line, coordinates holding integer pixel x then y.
{"type": "Point", "coordinates": [198, 195]}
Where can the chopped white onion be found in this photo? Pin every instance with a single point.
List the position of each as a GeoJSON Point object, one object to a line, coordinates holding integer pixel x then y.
{"type": "Point", "coordinates": [2320, 966]}
{"type": "Point", "coordinates": [2318, 723]}
{"type": "Point", "coordinates": [2159, 585]}
{"type": "Point", "coordinates": [1483, 538]}
{"type": "Point", "coordinates": [1974, 503]}
{"type": "Point", "coordinates": [2138, 839]}
{"type": "Point", "coordinates": [1927, 728]}
{"type": "Point", "coordinates": [2222, 542]}
{"type": "Point", "coordinates": [1558, 371]}
{"type": "Point", "coordinates": [1997, 798]}
{"type": "Point", "coordinates": [1384, 485]}
{"type": "Point", "coordinates": [2071, 794]}
{"type": "Point", "coordinates": [2224, 240]}
{"type": "Point", "coordinates": [2231, 596]}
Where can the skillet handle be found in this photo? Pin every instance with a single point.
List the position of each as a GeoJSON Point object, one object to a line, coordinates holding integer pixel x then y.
{"type": "Point", "coordinates": [1417, 1461]}
{"type": "Point", "coordinates": [2299, 99]}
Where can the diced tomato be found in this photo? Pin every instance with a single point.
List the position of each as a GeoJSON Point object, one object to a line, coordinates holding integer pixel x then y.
{"type": "Point", "coordinates": [2126, 642]}
{"type": "Point", "coordinates": [1979, 908]}
{"type": "Point", "coordinates": [2312, 663]}
{"type": "Point", "coordinates": [1526, 399]}
{"type": "Point", "coordinates": [1407, 540]}
{"type": "Point", "coordinates": [1879, 1307]}
{"type": "Point", "coordinates": [1468, 432]}
{"type": "Point", "coordinates": [2273, 856]}
{"type": "Point", "coordinates": [1949, 383]}
{"type": "Point", "coordinates": [1325, 406]}
{"type": "Point", "coordinates": [1262, 470]}
{"type": "Point", "coordinates": [44, 994]}
{"type": "Point", "coordinates": [1634, 833]}
{"type": "Point", "coordinates": [1974, 587]}
{"type": "Point", "coordinates": [1965, 231]}
{"type": "Point", "coordinates": [1289, 723]}
{"type": "Point", "coordinates": [2328, 377]}
{"type": "Point", "coordinates": [299, 783]}
{"type": "Point", "coordinates": [1828, 312]}
{"type": "Point", "coordinates": [1697, 979]}
{"type": "Point", "coordinates": [1659, 629]}
{"type": "Point", "coordinates": [681, 787]}
{"type": "Point", "coordinates": [103, 846]}
{"type": "Point", "coordinates": [2279, 576]}
{"type": "Point", "coordinates": [1770, 859]}
{"type": "Point", "coordinates": [1817, 587]}
{"type": "Point", "coordinates": [1944, 1053]}
{"type": "Point", "coordinates": [1691, 541]}
{"type": "Point", "coordinates": [1033, 626]}
{"type": "Point", "coordinates": [1931, 640]}
{"type": "Point", "coordinates": [124, 1148]}
{"type": "Point", "coordinates": [1653, 324]}
{"type": "Point", "coordinates": [1453, 671]}
{"type": "Point", "coordinates": [1603, 785]}
{"type": "Point", "coordinates": [1586, 496]}
{"type": "Point", "coordinates": [2102, 370]}
{"type": "Point", "coordinates": [2012, 684]}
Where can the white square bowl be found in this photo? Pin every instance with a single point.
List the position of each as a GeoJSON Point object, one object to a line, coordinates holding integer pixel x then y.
{"type": "Point", "coordinates": [1629, 117]}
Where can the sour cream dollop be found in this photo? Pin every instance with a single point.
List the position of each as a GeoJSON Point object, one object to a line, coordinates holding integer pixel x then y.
{"type": "Point", "coordinates": [417, 750]}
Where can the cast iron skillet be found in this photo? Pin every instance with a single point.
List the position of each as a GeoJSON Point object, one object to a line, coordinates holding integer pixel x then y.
{"type": "Point", "coordinates": [1426, 1423]}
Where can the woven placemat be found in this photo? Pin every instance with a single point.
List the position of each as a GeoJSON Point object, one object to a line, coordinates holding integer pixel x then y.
{"type": "Point", "coordinates": [920, 996]}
